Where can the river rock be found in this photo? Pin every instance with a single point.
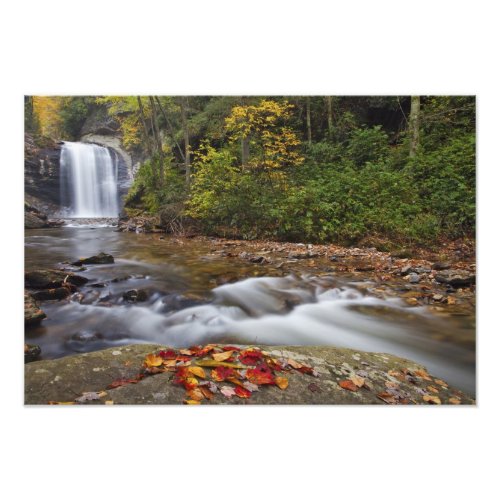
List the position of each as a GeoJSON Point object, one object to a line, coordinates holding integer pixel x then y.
{"type": "Point", "coordinates": [31, 352]}
{"type": "Point", "coordinates": [441, 266]}
{"type": "Point", "coordinates": [101, 258]}
{"type": "Point", "coordinates": [52, 293]}
{"type": "Point", "coordinates": [51, 278]}
{"type": "Point", "coordinates": [387, 379]}
{"type": "Point", "coordinates": [33, 315]}
{"type": "Point", "coordinates": [135, 295]}
{"type": "Point", "coordinates": [456, 278]}
{"type": "Point", "coordinates": [34, 221]}
{"type": "Point", "coordinates": [413, 278]}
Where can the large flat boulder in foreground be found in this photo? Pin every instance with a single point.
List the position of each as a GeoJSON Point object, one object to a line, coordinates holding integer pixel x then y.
{"type": "Point", "coordinates": [387, 380]}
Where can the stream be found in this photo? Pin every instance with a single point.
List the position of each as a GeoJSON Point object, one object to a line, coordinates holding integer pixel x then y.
{"type": "Point", "coordinates": [195, 296]}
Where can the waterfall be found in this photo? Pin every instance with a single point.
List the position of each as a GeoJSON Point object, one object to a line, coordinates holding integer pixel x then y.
{"type": "Point", "coordinates": [88, 181]}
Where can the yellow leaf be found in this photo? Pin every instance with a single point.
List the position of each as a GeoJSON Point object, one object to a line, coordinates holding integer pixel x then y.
{"type": "Point", "coordinates": [422, 374]}
{"type": "Point", "coordinates": [110, 402]}
{"type": "Point", "coordinates": [197, 371]}
{"type": "Point", "coordinates": [454, 401]}
{"type": "Point", "coordinates": [153, 360]}
{"type": "Point", "coordinates": [191, 402]}
{"type": "Point", "coordinates": [195, 394]}
{"type": "Point", "coordinates": [222, 356]}
{"type": "Point", "coordinates": [169, 362]}
{"type": "Point", "coordinates": [281, 382]}
{"type": "Point", "coordinates": [432, 400]}
{"type": "Point", "coordinates": [432, 388]}
{"type": "Point", "coordinates": [192, 381]}
{"type": "Point", "coordinates": [358, 381]}
{"type": "Point", "coordinates": [293, 363]}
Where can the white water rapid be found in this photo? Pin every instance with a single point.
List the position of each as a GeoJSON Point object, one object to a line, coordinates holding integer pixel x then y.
{"type": "Point", "coordinates": [88, 181]}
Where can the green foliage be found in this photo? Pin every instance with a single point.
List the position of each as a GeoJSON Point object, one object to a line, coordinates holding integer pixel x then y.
{"type": "Point", "coordinates": [367, 145]}
{"type": "Point", "coordinates": [74, 112]}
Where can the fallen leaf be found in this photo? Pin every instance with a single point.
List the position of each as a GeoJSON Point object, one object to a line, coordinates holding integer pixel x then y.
{"type": "Point", "coordinates": [190, 383]}
{"type": "Point", "coordinates": [221, 373]}
{"type": "Point", "coordinates": [153, 360]}
{"type": "Point", "coordinates": [250, 356]}
{"type": "Point", "coordinates": [422, 374]}
{"type": "Point", "coordinates": [169, 362]}
{"type": "Point", "coordinates": [432, 388]}
{"type": "Point", "coordinates": [357, 381]}
{"type": "Point", "coordinates": [170, 354]}
{"type": "Point", "coordinates": [109, 402]}
{"type": "Point", "coordinates": [432, 399]}
{"type": "Point", "coordinates": [198, 371]}
{"type": "Point", "coordinates": [281, 382]}
{"type": "Point", "coordinates": [227, 391]}
{"type": "Point", "coordinates": [387, 398]}
{"type": "Point", "coordinates": [191, 402]}
{"type": "Point", "coordinates": [348, 385]}
{"type": "Point", "coordinates": [391, 385]}
{"type": "Point", "coordinates": [61, 403]}
{"type": "Point", "coordinates": [211, 386]}
{"type": "Point", "coordinates": [250, 387]}
{"type": "Point", "coordinates": [259, 376]}
{"type": "Point", "coordinates": [441, 382]}
{"type": "Point", "coordinates": [454, 401]}
{"type": "Point", "coordinates": [196, 394]}
{"type": "Point", "coordinates": [124, 381]}
{"type": "Point", "coordinates": [222, 356]}
{"type": "Point", "coordinates": [206, 392]}
{"type": "Point", "coordinates": [186, 352]}
{"type": "Point", "coordinates": [90, 396]}
{"type": "Point", "coordinates": [241, 392]}
{"type": "Point", "coordinates": [294, 364]}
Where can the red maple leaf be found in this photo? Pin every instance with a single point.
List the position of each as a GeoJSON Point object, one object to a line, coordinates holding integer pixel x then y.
{"type": "Point", "coordinates": [170, 354]}
{"type": "Point", "coordinates": [241, 392]}
{"type": "Point", "coordinates": [250, 357]}
{"type": "Point", "coordinates": [260, 376]}
{"type": "Point", "coordinates": [222, 373]}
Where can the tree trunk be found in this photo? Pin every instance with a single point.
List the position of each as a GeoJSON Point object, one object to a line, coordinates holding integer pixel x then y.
{"type": "Point", "coordinates": [245, 151]}
{"type": "Point", "coordinates": [154, 121]}
{"type": "Point", "coordinates": [308, 118]}
{"type": "Point", "coordinates": [414, 125]}
{"type": "Point", "coordinates": [187, 152]}
{"type": "Point", "coordinates": [170, 128]}
{"type": "Point", "coordinates": [330, 116]}
{"type": "Point", "coordinates": [144, 126]}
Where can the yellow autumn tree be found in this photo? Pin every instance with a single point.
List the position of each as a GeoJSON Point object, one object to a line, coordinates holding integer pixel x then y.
{"type": "Point", "coordinates": [267, 143]}
{"type": "Point", "coordinates": [47, 110]}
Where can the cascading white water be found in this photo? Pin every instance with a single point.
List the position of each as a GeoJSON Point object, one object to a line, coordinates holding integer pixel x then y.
{"type": "Point", "coordinates": [88, 181]}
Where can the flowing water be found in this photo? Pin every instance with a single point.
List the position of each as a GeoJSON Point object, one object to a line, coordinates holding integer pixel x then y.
{"type": "Point", "coordinates": [196, 296]}
{"type": "Point", "coordinates": [88, 181]}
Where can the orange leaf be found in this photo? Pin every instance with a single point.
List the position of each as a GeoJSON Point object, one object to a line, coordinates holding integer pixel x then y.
{"type": "Point", "coordinates": [186, 352]}
{"type": "Point", "coordinates": [422, 374]}
{"type": "Point", "coordinates": [260, 377]}
{"type": "Point", "coordinates": [195, 394]}
{"type": "Point", "coordinates": [432, 388]}
{"type": "Point", "coordinates": [294, 364]}
{"type": "Point", "coordinates": [281, 382]}
{"type": "Point", "coordinates": [169, 362]}
{"type": "Point", "coordinates": [191, 402]}
{"type": "Point", "coordinates": [222, 356]}
{"type": "Point", "coordinates": [197, 371]}
{"type": "Point", "coordinates": [349, 385]}
{"type": "Point", "coordinates": [387, 397]}
{"type": "Point", "coordinates": [206, 392]}
{"type": "Point", "coordinates": [440, 382]}
{"type": "Point", "coordinates": [454, 401]}
{"type": "Point", "coordinates": [432, 400]}
{"type": "Point", "coordinates": [241, 392]}
{"type": "Point", "coordinates": [190, 383]}
{"type": "Point", "coordinates": [358, 381]}
{"type": "Point", "coordinates": [153, 360]}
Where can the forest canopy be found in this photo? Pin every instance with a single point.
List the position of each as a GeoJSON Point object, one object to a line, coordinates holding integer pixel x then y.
{"type": "Point", "coordinates": [385, 170]}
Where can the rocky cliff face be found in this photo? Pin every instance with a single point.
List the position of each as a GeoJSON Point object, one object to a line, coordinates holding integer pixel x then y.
{"type": "Point", "coordinates": [41, 170]}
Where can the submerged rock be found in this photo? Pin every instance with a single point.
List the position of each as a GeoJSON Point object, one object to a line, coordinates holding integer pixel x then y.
{"type": "Point", "coordinates": [456, 278]}
{"type": "Point", "coordinates": [33, 315]}
{"type": "Point", "coordinates": [31, 352]}
{"type": "Point", "coordinates": [344, 376]}
{"type": "Point", "coordinates": [101, 258]}
{"type": "Point", "coordinates": [52, 293]}
{"type": "Point", "coordinates": [135, 295]}
{"type": "Point", "coordinates": [51, 278]}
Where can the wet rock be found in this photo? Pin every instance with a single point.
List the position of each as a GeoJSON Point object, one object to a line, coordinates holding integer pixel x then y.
{"type": "Point", "coordinates": [34, 221]}
{"type": "Point", "coordinates": [385, 378]}
{"type": "Point", "coordinates": [303, 255]}
{"type": "Point", "coordinates": [90, 298]}
{"type": "Point", "coordinates": [421, 270]}
{"type": "Point", "coordinates": [52, 293]}
{"type": "Point", "coordinates": [178, 302]}
{"type": "Point", "coordinates": [456, 278]}
{"type": "Point", "coordinates": [364, 268]}
{"type": "Point", "coordinates": [405, 270]}
{"type": "Point", "coordinates": [31, 352]}
{"type": "Point", "coordinates": [51, 278]}
{"type": "Point", "coordinates": [441, 266]}
{"type": "Point", "coordinates": [413, 278]}
{"type": "Point", "coordinates": [101, 258]}
{"type": "Point", "coordinates": [135, 295]}
{"type": "Point", "coordinates": [33, 315]}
